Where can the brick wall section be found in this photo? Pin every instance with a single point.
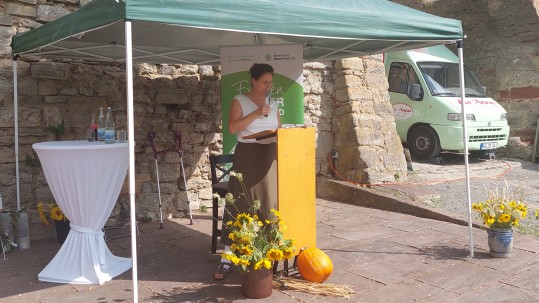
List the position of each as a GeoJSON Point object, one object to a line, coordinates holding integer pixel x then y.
{"type": "Point", "coordinates": [502, 50]}
{"type": "Point", "coordinates": [177, 98]}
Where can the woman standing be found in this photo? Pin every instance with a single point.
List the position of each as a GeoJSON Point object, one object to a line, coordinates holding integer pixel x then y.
{"type": "Point", "coordinates": [256, 161]}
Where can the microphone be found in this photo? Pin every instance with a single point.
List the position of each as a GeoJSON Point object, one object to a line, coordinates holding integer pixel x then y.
{"type": "Point", "coordinates": [268, 100]}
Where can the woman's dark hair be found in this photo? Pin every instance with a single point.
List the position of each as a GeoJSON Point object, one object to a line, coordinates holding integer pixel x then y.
{"type": "Point", "coordinates": [258, 69]}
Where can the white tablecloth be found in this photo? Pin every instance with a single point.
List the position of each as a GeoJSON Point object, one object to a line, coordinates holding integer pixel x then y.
{"type": "Point", "coordinates": [85, 179]}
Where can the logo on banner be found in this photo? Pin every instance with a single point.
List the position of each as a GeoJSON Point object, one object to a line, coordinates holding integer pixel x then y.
{"type": "Point", "coordinates": [268, 57]}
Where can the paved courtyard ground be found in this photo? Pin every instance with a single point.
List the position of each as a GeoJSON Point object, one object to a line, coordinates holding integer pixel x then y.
{"type": "Point", "coordinates": [383, 256]}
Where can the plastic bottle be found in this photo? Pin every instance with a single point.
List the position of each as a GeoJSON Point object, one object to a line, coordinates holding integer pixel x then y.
{"type": "Point", "coordinates": [23, 231]}
{"type": "Point", "coordinates": [101, 126]}
{"type": "Point", "coordinates": [109, 127]}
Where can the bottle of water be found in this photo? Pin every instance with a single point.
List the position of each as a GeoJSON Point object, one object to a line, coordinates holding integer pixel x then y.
{"type": "Point", "coordinates": [101, 126]}
{"type": "Point", "coordinates": [109, 127]}
{"type": "Point", "coordinates": [23, 231]}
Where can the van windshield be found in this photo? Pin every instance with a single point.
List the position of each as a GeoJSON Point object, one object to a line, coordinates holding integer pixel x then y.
{"type": "Point", "coordinates": [443, 79]}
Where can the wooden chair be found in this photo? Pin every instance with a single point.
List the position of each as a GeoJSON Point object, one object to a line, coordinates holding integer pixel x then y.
{"type": "Point", "coordinates": [221, 166]}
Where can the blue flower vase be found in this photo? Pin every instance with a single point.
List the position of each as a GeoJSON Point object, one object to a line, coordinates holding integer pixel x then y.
{"type": "Point", "coordinates": [500, 242]}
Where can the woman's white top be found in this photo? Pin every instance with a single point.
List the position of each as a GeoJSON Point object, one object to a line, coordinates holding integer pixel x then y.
{"type": "Point", "coordinates": [259, 124]}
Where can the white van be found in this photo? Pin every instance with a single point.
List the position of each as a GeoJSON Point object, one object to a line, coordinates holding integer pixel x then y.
{"type": "Point", "coordinates": [424, 91]}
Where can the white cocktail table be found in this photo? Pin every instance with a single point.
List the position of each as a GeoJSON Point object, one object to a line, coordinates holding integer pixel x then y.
{"type": "Point", "coordinates": [85, 179]}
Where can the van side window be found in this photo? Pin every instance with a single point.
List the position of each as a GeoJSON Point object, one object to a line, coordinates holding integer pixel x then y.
{"type": "Point", "coordinates": [398, 78]}
{"type": "Point", "coordinates": [401, 79]}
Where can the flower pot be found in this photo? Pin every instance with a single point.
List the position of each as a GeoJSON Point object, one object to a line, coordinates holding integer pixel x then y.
{"type": "Point", "coordinates": [500, 242]}
{"type": "Point", "coordinates": [257, 284]}
{"type": "Point", "coordinates": [62, 230]}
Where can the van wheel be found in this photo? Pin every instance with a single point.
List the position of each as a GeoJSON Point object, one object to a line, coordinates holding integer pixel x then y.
{"type": "Point", "coordinates": [423, 143]}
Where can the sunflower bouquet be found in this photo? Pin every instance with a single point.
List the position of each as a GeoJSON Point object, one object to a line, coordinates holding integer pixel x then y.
{"type": "Point", "coordinates": [256, 242]}
{"type": "Point", "coordinates": [503, 209]}
{"type": "Point", "coordinates": [50, 212]}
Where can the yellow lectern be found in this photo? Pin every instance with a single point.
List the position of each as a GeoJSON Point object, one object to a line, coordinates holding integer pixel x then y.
{"type": "Point", "coordinates": [296, 181]}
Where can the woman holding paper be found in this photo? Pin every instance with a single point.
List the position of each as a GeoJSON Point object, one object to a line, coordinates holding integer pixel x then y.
{"type": "Point", "coordinates": [255, 160]}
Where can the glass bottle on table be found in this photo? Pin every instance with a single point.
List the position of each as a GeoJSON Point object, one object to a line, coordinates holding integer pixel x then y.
{"type": "Point", "coordinates": [101, 126]}
{"type": "Point", "coordinates": [92, 135]}
{"type": "Point", "coordinates": [109, 127]}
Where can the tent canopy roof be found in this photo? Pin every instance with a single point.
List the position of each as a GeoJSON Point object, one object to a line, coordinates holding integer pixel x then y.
{"type": "Point", "coordinates": [191, 31]}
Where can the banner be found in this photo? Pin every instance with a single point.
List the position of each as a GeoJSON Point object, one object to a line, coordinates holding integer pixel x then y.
{"type": "Point", "coordinates": [287, 62]}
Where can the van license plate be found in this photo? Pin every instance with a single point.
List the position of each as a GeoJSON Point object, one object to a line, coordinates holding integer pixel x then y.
{"type": "Point", "coordinates": [488, 145]}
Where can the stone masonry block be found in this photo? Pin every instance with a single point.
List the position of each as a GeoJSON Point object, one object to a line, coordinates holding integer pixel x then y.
{"type": "Point", "coordinates": [354, 81]}
{"type": "Point", "coordinates": [47, 88]}
{"type": "Point", "coordinates": [369, 137]}
{"type": "Point", "coordinates": [6, 32]}
{"type": "Point", "coordinates": [206, 194]}
{"type": "Point", "coordinates": [350, 63]}
{"type": "Point", "coordinates": [6, 20]}
{"type": "Point", "coordinates": [359, 94]}
{"type": "Point", "coordinates": [324, 145]}
{"type": "Point", "coordinates": [31, 2]}
{"type": "Point", "coordinates": [345, 138]}
{"type": "Point", "coordinates": [55, 99]}
{"type": "Point", "coordinates": [49, 71]}
{"type": "Point", "coordinates": [21, 10]}
{"type": "Point", "coordinates": [48, 13]}
{"type": "Point", "coordinates": [344, 109]}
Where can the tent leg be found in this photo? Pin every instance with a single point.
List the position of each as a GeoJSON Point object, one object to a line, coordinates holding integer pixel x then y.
{"type": "Point", "coordinates": [131, 136]}
{"type": "Point", "coordinates": [465, 140]}
{"type": "Point", "coordinates": [16, 120]}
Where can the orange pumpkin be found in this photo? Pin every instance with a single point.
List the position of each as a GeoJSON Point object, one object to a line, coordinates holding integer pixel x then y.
{"type": "Point", "coordinates": [314, 265]}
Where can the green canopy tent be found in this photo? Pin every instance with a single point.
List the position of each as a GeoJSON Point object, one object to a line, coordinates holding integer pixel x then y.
{"type": "Point", "coordinates": [191, 32]}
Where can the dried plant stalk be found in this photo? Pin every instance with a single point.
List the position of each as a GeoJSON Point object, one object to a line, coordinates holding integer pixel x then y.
{"type": "Point", "coordinates": [324, 289]}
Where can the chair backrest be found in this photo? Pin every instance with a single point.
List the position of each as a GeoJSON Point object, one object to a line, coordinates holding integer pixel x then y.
{"type": "Point", "coordinates": [221, 166]}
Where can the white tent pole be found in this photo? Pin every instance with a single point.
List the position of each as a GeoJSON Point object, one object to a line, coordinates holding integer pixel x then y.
{"type": "Point", "coordinates": [16, 119]}
{"type": "Point", "coordinates": [465, 140]}
{"type": "Point", "coordinates": [131, 136]}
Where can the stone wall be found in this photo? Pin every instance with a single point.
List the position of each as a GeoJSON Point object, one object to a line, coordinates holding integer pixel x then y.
{"type": "Point", "coordinates": [168, 99]}
{"type": "Point", "coordinates": [350, 111]}
{"type": "Point", "coordinates": [502, 50]}
{"type": "Point", "coordinates": [364, 128]}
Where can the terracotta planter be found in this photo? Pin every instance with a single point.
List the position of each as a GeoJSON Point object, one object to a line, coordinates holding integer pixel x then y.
{"type": "Point", "coordinates": [257, 284]}
{"type": "Point", "coordinates": [500, 242]}
{"type": "Point", "coordinates": [62, 230]}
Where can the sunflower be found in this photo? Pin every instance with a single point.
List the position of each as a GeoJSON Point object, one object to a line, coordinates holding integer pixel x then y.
{"type": "Point", "coordinates": [503, 209]}
{"type": "Point", "coordinates": [57, 214]}
{"type": "Point", "coordinates": [274, 254]}
{"type": "Point", "coordinates": [257, 237]}
{"type": "Point", "coordinates": [48, 212]}
{"type": "Point", "coordinates": [265, 263]}
{"type": "Point", "coordinates": [42, 213]}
